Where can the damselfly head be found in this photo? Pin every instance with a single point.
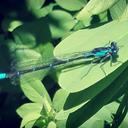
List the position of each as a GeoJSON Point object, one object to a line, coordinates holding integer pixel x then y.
{"type": "Point", "coordinates": [114, 48]}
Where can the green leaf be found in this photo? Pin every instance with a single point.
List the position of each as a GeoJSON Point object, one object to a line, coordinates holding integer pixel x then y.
{"type": "Point", "coordinates": [52, 125]}
{"type": "Point", "coordinates": [96, 103]}
{"type": "Point", "coordinates": [28, 108]}
{"type": "Point", "coordinates": [30, 124]}
{"type": "Point", "coordinates": [31, 35]}
{"type": "Point", "coordinates": [26, 58]}
{"type": "Point", "coordinates": [71, 5]}
{"type": "Point", "coordinates": [93, 105]}
{"type": "Point", "coordinates": [36, 109]}
{"type": "Point", "coordinates": [35, 91]}
{"type": "Point", "coordinates": [28, 118]}
{"type": "Point", "coordinates": [10, 24]}
{"type": "Point", "coordinates": [61, 123]}
{"type": "Point", "coordinates": [121, 91]}
{"type": "Point", "coordinates": [82, 41]}
{"type": "Point", "coordinates": [26, 37]}
{"type": "Point", "coordinates": [44, 11]}
{"type": "Point", "coordinates": [124, 124]}
{"type": "Point", "coordinates": [75, 99]}
{"type": "Point", "coordinates": [125, 13]}
{"type": "Point", "coordinates": [60, 22]}
{"type": "Point", "coordinates": [118, 9]}
{"type": "Point", "coordinates": [95, 7]}
{"type": "Point", "coordinates": [98, 120]}
{"type": "Point", "coordinates": [32, 4]}
{"type": "Point", "coordinates": [59, 99]}
{"type": "Point", "coordinates": [103, 17]}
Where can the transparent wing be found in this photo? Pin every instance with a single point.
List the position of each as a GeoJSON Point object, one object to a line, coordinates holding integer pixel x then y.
{"type": "Point", "coordinates": [32, 63]}
{"type": "Point", "coordinates": [21, 65]}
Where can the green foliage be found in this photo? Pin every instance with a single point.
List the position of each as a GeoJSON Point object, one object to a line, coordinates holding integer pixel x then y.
{"type": "Point", "coordinates": [32, 4]}
{"type": "Point", "coordinates": [71, 5]}
{"type": "Point", "coordinates": [87, 97]}
{"type": "Point", "coordinates": [60, 22]}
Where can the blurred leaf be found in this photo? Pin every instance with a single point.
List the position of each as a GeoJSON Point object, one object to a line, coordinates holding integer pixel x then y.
{"type": "Point", "coordinates": [60, 22]}
{"type": "Point", "coordinates": [95, 7]}
{"type": "Point", "coordinates": [34, 4]}
{"type": "Point", "coordinates": [82, 41]}
{"type": "Point", "coordinates": [44, 11]}
{"type": "Point", "coordinates": [28, 108]}
{"type": "Point", "coordinates": [25, 58]}
{"type": "Point", "coordinates": [31, 35]}
{"type": "Point", "coordinates": [61, 123]}
{"type": "Point", "coordinates": [71, 5]}
{"type": "Point", "coordinates": [52, 125]}
{"type": "Point", "coordinates": [10, 25]}
{"type": "Point", "coordinates": [118, 9]}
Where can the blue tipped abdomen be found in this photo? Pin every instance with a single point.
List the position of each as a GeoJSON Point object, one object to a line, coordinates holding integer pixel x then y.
{"type": "Point", "coordinates": [3, 75]}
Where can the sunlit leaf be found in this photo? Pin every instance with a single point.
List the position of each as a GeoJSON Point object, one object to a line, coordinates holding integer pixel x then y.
{"type": "Point", "coordinates": [29, 108]}
{"type": "Point", "coordinates": [105, 114]}
{"type": "Point", "coordinates": [59, 99]}
{"type": "Point", "coordinates": [87, 39]}
{"type": "Point", "coordinates": [35, 91]}
{"type": "Point", "coordinates": [30, 117]}
{"type": "Point", "coordinates": [125, 13]}
{"type": "Point", "coordinates": [52, 125]}
{"type": "Point", "coordinates": [96, 103]}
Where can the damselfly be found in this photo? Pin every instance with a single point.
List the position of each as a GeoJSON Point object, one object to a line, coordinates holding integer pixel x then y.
{"type": "Point", "coordinates": [98, 55]}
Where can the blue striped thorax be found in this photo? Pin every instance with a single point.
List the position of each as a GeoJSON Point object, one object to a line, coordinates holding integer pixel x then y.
{"type": "Point", "coordinates": [112, 50]}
